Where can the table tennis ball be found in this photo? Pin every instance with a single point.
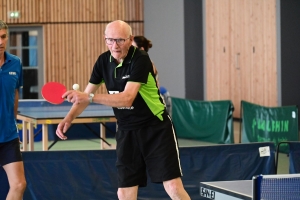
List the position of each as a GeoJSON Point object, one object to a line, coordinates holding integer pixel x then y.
{"type": "Point", "coordinates": [75, 86]}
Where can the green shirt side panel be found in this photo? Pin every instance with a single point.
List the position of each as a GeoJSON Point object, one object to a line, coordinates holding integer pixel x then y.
{"type": "Point", "coordinates": [150, 94]}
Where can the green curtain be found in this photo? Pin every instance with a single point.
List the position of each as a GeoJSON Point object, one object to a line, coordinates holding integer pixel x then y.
{"type": "Point", "coordinates": [269, 124]}
{"type": "Point", "coordinates": [209, 121]}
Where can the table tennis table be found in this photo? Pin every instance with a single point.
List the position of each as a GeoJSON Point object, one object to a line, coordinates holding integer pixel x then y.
{"type": "Point", "coordinates": [226, 190]}
{"type": "Point", "coordinates": [34, 112]}
{"type": "Point", "coordinates": [267, 187]}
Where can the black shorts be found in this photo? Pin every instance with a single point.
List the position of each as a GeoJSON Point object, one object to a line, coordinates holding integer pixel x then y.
{"type": "Point", "coordinates": [10, 152]}
{"type": "Point", "coordinates": [153, 149]}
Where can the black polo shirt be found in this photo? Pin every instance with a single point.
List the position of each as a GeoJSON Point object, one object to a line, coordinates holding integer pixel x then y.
{"type": "Point", "coordinates": [148, 107]}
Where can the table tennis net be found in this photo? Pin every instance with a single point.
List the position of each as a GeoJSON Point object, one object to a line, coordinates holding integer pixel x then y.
{"type": "Point", "coordinates": [272, 187]}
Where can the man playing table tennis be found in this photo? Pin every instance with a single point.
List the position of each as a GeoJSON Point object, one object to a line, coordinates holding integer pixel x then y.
{"type": "Point", "coordinates": [10, 81]}
{"type": "Point", "coordinates": [145, 136]}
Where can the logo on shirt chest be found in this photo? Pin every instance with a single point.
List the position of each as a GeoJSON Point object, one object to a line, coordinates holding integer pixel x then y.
{"type": "Point", "coordinates": [12, 73]}
{"type": "Point", "coordinates": [126, 77]}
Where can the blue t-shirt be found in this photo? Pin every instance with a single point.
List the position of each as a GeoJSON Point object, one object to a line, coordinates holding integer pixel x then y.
{"type": "Point", "coordinates": [11, 78]}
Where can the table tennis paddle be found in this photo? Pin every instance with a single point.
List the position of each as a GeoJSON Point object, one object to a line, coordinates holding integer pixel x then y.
{"type": "Point", "coordinates": [53, 91]}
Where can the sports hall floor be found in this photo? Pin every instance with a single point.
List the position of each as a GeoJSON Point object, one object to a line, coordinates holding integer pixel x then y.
{"type": "Point", "coordinates": [92, 144]}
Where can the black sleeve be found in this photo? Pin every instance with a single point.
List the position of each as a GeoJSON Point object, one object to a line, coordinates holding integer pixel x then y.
{"type": "Point", "coordinates": [97, 74]}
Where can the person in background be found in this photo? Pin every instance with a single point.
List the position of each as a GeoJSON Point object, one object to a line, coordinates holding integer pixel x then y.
{"type": "Point", "coordinates": [146, 140]}
{"type": "Point", "coordinates": [11, 79]}
{"type": "Point", "coordinates": [143, 43]}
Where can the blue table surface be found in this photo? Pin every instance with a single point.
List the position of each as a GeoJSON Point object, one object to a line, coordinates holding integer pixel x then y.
{"type": "Point", "coordinates": [41, 109]}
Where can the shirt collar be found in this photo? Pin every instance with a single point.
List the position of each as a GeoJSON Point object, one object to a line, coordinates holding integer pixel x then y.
{"type": "Point", "coordinates": [7, 57]}
{"type": "Point", "coordinates": [129, 56]}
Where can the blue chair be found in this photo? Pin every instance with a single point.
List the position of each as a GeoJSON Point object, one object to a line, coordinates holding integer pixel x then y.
{"type": "Point", "coordinates": [167, 99]}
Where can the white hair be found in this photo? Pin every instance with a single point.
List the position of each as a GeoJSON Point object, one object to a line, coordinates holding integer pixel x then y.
{"type": "Point", "coordinates": [123, 24]}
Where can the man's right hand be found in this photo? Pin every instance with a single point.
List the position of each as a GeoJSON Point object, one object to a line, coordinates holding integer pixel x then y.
{"type": "Point", "coordinates": [62, 128]}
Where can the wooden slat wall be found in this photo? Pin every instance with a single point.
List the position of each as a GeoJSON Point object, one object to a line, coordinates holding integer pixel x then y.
{"type": "Point", "coordinates": [241, 52]}
{"type": "Point", "coordinates": [218, 50]}
{"type": "Point", "coordinates": [264, 41]}
{"type": "Point", "coordinates": [73, 32]}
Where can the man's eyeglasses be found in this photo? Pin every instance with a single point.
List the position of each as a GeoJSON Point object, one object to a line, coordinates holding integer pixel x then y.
{"type": "Point", "coordinates": [119, 41]}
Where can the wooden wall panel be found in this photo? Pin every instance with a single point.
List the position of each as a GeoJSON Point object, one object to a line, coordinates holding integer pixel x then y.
{"type": "Point", "coordinates": [43, 11]}
{"type": "Point", "coordinates": [241, 52]}
{"type": "Point", "coordinates": [73, 32]}
{"type": "Point", "coordinates": [218, 50]}
{"type": "Point", "coordinates": [264, 58]}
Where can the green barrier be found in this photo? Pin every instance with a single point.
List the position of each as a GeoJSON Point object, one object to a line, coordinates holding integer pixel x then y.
{"type": "Point", "coordinates": [209, 121]}
{"type": "Point", "coordinates": [269, 124]}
